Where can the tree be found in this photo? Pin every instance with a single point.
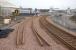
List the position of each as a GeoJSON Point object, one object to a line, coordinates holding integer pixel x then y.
{"type": "Point", "coordinates": [73, 18]}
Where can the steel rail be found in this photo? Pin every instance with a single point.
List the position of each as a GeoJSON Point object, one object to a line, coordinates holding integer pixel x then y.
{"type": "Point", "coordinates": [36, 33]}
{"type": "Point", "coordinates": [58, 33]}
{"type": "Point", "coordinates": [42, 33]}
{"type": "Point", "coordinates": [20, 34]}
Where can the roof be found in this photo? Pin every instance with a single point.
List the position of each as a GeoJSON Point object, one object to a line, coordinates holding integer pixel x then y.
{"type": "Point", "coordinates": [7, 4]}
{"type": "Point", "coordinates": [26, 8]}
{"type": "Point", "coordinates": [43, 10]}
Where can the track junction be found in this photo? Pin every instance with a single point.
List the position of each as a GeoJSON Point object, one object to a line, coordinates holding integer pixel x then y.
{"type": "Point", "coordinates": [39, 33]}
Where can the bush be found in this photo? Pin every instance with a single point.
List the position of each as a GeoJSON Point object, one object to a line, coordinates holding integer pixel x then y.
{"type": "Point", "coordinates": [73, 18]}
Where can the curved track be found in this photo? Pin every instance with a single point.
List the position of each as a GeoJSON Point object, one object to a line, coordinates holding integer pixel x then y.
{"type": "Point", "coordinates": [30, 35]}
{"type": "Point", "coordinates": [40, 32]}
{"type": "Point", "coordinates": [63, 36]}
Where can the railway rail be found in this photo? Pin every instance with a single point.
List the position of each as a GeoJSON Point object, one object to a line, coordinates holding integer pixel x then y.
{"type": "Point", "coordinates": [32, 33]}
{"type": "Point", "coordinates": [66, 38]}
{"type": "Point", "coordinates": [20, 34]}
{"type": "Point", "coordinates": [36, 33]}
{"type": "Point", "coordinates": [41, 35]}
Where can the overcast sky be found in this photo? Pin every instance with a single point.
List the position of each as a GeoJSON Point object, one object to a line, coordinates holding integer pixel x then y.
{"type": "Point", "coordinates": [63, 4]}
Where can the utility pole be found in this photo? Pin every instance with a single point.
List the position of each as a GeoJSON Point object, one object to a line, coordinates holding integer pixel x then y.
{"type": "Point", "coordinates": [35, 11]}
{"type": "Point", "coordinates": [0, 10]}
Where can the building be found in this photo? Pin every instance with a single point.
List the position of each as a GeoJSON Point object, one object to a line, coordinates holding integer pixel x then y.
{"type": "Point", "coordinates": [43, 12]}
{"type": "Point", "coordinates": [58, 12]}
{"type": "Point", "coordinates": [26, 11]}
{"type": "Point", "coordinates": [6, 8]}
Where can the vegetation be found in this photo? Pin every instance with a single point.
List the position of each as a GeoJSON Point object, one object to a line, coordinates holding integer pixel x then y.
{"type": "Point", "coordinates": [73, 18]}
{"type": "Point", "coordinates": [14, 14]}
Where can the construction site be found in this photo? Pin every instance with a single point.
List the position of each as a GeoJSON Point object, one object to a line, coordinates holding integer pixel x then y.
{"type": "Point", "coordinates": [37, 29]}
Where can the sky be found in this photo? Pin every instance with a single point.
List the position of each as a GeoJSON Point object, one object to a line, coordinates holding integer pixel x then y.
{"type": "Point", "coordinates": [62, 4]}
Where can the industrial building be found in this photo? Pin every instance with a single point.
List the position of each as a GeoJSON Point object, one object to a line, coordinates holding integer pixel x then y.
{"type": "Point", "coordinates": [6, 8]}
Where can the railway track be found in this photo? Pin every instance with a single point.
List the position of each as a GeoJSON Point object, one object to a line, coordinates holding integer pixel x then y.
{"type": "Point", "coordinates": [36, 33]}
{"type": "Point", "coordinates": [41, 35]}
{"type": "Point", "coordinates": [20, 34]}
{"type": "Point", "coordinates": [66, 38]}
{"type": "Point", "coordinates": [30, 35]}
